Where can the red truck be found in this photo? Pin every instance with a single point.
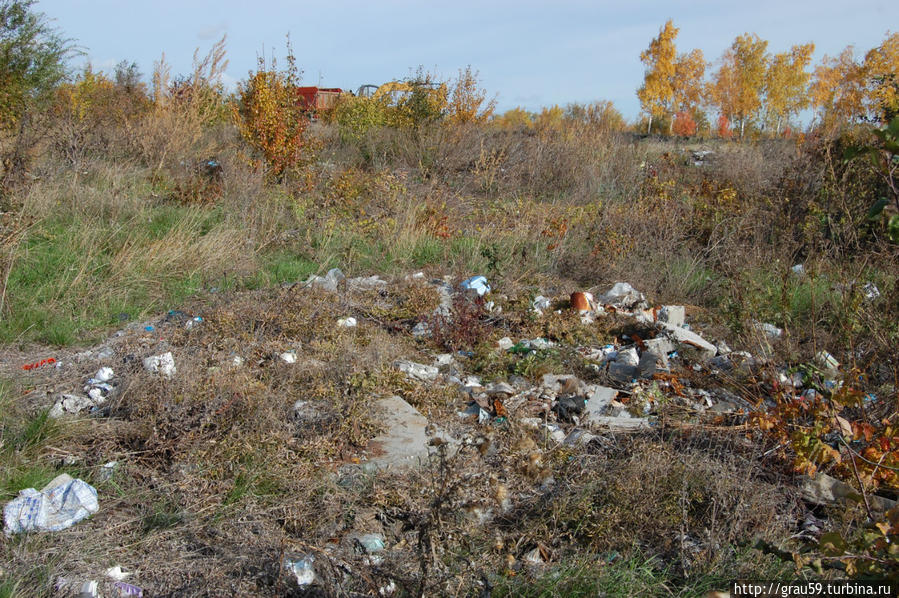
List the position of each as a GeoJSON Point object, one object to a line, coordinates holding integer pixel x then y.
{"type": "Point", "coordinates": [318, 99]}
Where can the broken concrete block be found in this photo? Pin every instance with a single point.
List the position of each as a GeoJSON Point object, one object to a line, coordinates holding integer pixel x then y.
{"type": "Point", "coordinates": [405, 441]}
{"type": "Point", "coordinates": [499, 389]}
{"type": "Point", "coordinates": [688, 337]}
{"type": "Point", "coordinates": [619, 424]}
{"type": "Point", "coordinates": [651, 362]}
{"type": "Point", "coordinates": [823, 489]}
{"type": "Point", "coordinates": [560, 383]}
{"type": "Point", "coordinates": [70, 404]}
{"type": "Point", "coordinates": [673, 315]}
{"type": "Point", "coordinates": [417, 371]}
{"type": "Point", "coordinates": [661, 345]}
{"type": "Point", "coordinates": [598, 400]}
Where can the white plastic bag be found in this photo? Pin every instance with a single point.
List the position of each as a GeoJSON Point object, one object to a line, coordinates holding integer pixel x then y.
{"type": "Point", "coordinates": [62, 503]}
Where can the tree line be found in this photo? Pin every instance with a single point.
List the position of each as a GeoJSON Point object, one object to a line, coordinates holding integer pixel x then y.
{"type": "Point", "coordinates": [753, 88]}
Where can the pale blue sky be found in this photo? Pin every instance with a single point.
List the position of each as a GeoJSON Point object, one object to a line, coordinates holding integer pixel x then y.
{"type": "Point", "coordinates": [528, 53]}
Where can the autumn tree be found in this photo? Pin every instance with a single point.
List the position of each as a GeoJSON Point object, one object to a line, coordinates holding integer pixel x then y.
{"type": "Point", "coordinates": [672, 82]}
{"type": "Point", "coordinates": [656, 95]}
{"type": "Point", "coordinates": [32, 64]}
{"type": "Point", "coordinates": [738, 84]}
{"type": "Point", "coordinates": [269, 116]}
{"type": "Point", "coordinates": [601, 115]}
{"type": "Point", "coordinates": [786, 84]}
{"type": "Point", "coordinates": [468, 103]}
{"type": "Point", "coordinates": [837, 92]}
{"type": "Point", "coordinates": [881, 74]}
{"type": "Point", "coordinates": [688, 87]}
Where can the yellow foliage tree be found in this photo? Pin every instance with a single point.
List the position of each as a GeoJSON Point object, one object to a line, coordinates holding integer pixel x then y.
{"type": "Point", "coordinates": [688, 87]}
{"type": "Point", "coordinates": [837, 91]}
{"type": "Point", "coordinates": [550, 119]}
{"type": "Point", "coordinates": [786, 84]}
{"type": "Point", "coordinates": [515, 118]}
{"type": "Point", "coordinates": [881, 70]}
{"type": "Point", "coordinates": [656, 95]}
{"type": "Point", "coordinates": [271, 118]}
{"type": "Point", "coordinates": [737, 85]}
{"type": "Point", "coordinates": [468, 103]}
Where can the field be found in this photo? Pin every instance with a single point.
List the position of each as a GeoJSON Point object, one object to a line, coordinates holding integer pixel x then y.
{"type": "Point", "coordinates": [182, 226]}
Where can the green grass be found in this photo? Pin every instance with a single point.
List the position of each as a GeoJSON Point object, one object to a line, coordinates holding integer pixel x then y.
{"type": "Point", "coordinates": [76, 273]}
{"type": "Point", "coordinates": [632, 575]}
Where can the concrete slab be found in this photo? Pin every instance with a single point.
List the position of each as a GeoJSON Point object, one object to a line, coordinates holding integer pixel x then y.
{"type": "Point", "coordinates": [598, 399]}
{"type": "Point", "coordinates": [404, 443]}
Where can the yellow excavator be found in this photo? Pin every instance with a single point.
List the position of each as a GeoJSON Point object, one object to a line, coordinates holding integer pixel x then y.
{"type": "Point", "coordinates": [394, 91]}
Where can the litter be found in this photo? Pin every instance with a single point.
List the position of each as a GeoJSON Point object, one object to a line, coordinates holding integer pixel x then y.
{"type": "Point", "coordinates": [303, 569]}
{"type": "Point", "coordinates": [60, 504]}
{"type": "Point", "coordinates": [102, 375]}
{"type": "Point", "coordinates": [71, 404]}
{"type": "Point", "coordinates": [349, 322]}
{"type": "Point", "coordinates": [582, 301]}
{"type": "Point", "coordinates": [126, 589]}
{"type": "Point", "coordinates": [871, 291]}
{"type": "Point", "coordinates": [371, 543]}
{"type": "Point", "coordinates": [770, 329]}
{"type": "Point", "coordinates": [540, 303]}
{"type": "Point", "coordinates": [117, 574]}
{"type": "Point", "coordinates": [623, 295]}
{"type": "Point", "coordinates": [107, 470]}
{"type": "Point", "coordinates": [193, 322]}
{"type": "Point", "coordinates": [288, 357]}
{"type": "Point", "coordinates": [164, 364]}
{"type": "Point", "coordinates": [328, 282]}
{"type": "Point", "coordinates": [827, 361]}
{"type": "Point", "coordinates": [477, 284]}
{"type": "Point", "coordinates": [417, 371]}
{"type": "Point", "coordinates": [37, 364]}
{"type": "Point", "coordinates": [88, 590]}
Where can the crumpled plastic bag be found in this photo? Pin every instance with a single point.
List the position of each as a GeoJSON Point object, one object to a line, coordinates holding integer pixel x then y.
{"type": "Point", "coordinates": [62, 503]}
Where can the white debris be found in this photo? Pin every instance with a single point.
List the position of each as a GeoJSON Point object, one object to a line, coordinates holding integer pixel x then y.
{"type": "Point", "coordinates": [288, 356]}
{"type": "Point", "coordinates": [477, 284]}
{"type": "Point", "coordinates": [349, 322]}
{"type": "Point", "coordinates": [60, 504]}
{"type": "Point", "coordinates": [164, 364]}
{"type": "Point", "coordinates": [673, 315]}
{"type": "Point", "coordinates": [871, 291]}
{"type": "Point", "coordinates": [329, 282]}
{"type": "Point", "coordinates": [104, 375]}
{"type": "Point", "coordinates": [505, 343]}
{"type": "Point", "coordinates": [827, 361]}
{"type": "Point", "coordinates": [623, 295]}
{"type": "Point", "coordinates": [540, 303]}
{"type": "Point", "coordinates": [70, 404]}
{"type": "Point", "coordinates": [417, 371]}
{"type": "Point", "coordinates": [117, 574]}
{"type": "Point", "coordinates": [303, 569]}
{"type": "Point", "coordinates": [769, 329]}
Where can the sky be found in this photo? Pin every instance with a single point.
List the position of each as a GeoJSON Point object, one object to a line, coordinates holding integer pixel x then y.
{"type": "Point", "coordinates": [527, 53]}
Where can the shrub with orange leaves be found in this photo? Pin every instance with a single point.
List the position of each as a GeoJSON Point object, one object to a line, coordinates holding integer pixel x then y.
{"type": "Point", "coordinates": [684, 125]}
{"type": "Point", "coordinates": [271, 118]}
{"type": "Point", "coordinates": [724, 130]}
